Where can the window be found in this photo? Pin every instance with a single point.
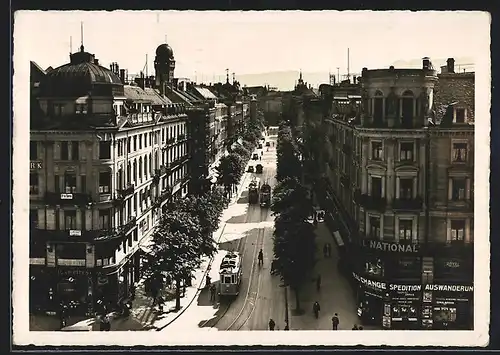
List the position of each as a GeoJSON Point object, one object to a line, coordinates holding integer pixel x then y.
{"type": "Point", "coordinates": [128, 145]}
{"type": "Point", "coordinates": [74, 150]}
{"type": "Point", "coordinates": [406, 151]}
{"type": "Point", "coordinates": [57, 183]}
{"type": "Point", "coordinates": [135, 143]}
{"type": "Point", "coordinates": [70, 219]}
{"type": "Point", "coordinates": [374, 266]}
{"type": "Point", "coordinates": [407, 109]}
{"type": "Point", "coordinates": [459, 152]}
{"type": "Point", "coordinates": [460, 115]}
{"type": "Point", "coordinates": [458, 189]}
{"type": "Point", "coordinates": [135, 171]}
{"type": "Point", "coordinates": [34, 218]}
{"type": "Point", "coordinates": [406, 188]}
{"type": "Point", "coordinates": [140, 169]}
{"type": "Point", "coordinates": [105, 150]}
{"type": "Point", "coordinates": [33, 183]}
{"type": "Point", "coordinates": [83, 185]}
{"type": "Point", "coordinates": [81, 108]}
{"type": "Point", "coordinates": [457, 231]}
{"type": "Point", "coordinates": [104, 182]}
{"type": "Point", "coordinates": [145, 140]}
{"type": "Point", "coordinates": [33, 150]}
{"type": "Point", "coordinates": [376, 187]}
{"type": "Point", "coordinates": [69, 183]}
{"type": "Point", "coordinates": [64, 151]}
{"type": "Point", "coordinates": [104, 219]}
{"type": "Point", "coordinates": [58, 109]}
{"type": "Point", "coordinates": [405, 230]}
{"type": "Point", "coordinates": [140, 141]}
{"type": "Point", "coordinates": [377, 150]}
{"type": "Point", "coordinates": [374, 227]}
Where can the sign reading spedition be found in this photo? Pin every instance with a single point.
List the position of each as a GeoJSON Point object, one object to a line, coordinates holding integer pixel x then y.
{"type": "Point", "coordinates": [392, 247]}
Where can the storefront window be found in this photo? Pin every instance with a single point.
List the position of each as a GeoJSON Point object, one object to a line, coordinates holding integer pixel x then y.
{"type": "Point", "coordinates": [71, 251]}
{"type": "Point", "coordinates": [445, 314]}
{"type": "Point", "coordinates": [374, 266]}
{"type": "Point", "coordinates": [453, 269]}
{"type": "Point", "coordinates": [407, 268]}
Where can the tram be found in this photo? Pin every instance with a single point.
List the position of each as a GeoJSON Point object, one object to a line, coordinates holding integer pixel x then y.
{"type": "Point", "coordinates": [230, 274]}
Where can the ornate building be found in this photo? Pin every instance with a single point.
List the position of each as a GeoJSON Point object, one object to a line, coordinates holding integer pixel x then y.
{"type": "Point", "coordinates": [105, 157]}
{"type": "Point", "coordinates": [400, 191]}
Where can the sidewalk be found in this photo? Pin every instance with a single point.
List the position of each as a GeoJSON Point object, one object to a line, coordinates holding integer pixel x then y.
{"type": "Point", "coordinates": [335, 295]}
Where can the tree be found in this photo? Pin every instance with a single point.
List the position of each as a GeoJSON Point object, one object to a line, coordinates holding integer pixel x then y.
{"type": "Point", "coordinates": [243, 152]}
{"type": "Point", "coordinates": [294, 250]}
{"type": "Point", "coordinates": [230, 171]}
{"type": "Point", "coordinates": [175, 250]}
{"type": "Point", "coordinates": [288, 162]}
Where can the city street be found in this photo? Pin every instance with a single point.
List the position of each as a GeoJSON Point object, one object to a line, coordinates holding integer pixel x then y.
{"type": "Point", "coordinates": [261, 297]}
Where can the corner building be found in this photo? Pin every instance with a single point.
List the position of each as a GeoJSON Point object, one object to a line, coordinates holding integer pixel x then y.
{"type": "Point", "coordinates": [400, 183]}
{"type": "Point", "coordinates": [105, 157]}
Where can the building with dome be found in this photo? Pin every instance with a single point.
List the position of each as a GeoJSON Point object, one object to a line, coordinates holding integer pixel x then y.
{"type": "Point", "coordinates": [105, 157]}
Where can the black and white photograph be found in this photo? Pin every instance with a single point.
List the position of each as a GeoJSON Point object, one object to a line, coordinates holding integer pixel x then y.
{"type": "Point", "coordinates": [227, 178]}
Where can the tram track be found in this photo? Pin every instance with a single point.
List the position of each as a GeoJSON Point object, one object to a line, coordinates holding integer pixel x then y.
{"type": "Point", "coordinates": [243, 250]}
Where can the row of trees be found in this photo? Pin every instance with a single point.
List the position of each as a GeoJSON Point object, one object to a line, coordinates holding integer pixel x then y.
{"type": "Point", "coordinates": [181, 239]}
{"type": "Point", "coordinates": [184, 234]}
{"type": "Point", "coordinates": [294, 246]}
{"type": "Point", "coordinates": [231, 167]}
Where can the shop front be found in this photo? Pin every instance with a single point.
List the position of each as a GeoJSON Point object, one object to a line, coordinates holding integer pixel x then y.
{"type": "Point", "coordinates": [371, 296]}
{"type": "Point", "coordinates": [449, 307]}
{"type": "Point", "coordinates": [402, 308]}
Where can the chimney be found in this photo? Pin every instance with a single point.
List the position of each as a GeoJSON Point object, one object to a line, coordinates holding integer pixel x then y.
{"type": "Point", "coordinates": [426, 63]}
{"type": "Point", "coordinates": [175, 82]}
{"type": "Point", "coordinates": [96, 61]}
{"type": "Point", "coordinates": [122, 75]}
{"type": "Point", "coordinates": [450, 65]}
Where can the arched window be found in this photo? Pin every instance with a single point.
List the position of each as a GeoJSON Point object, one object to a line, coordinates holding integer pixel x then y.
{"type": "Point", "coordinates": [157, 162]}
{"type": "Point", "coordinates": [378, 108]}
{"type": "Point", "coordinates": [407, 108]}
{"type": "Point", "coordinates": [150, 165]}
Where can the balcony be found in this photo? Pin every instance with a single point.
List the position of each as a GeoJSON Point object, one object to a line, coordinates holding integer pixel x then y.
{"type": "Point", "coordinates": [407, 204]}
{"type": "Point", "coordinates": [67, 199]}
{"type": "Point", "coordinates": [452, 249]}
{"type": "Point", "coordinates": [164, 195]}
{"type": "Point", "coordinates": [461, 205]}
{"type": "Point", "coordinates": [127, 191]}
{"type": "Point", "coordinates": [170, 141]}
{"type": "Point", "coordinates": [181, 137]}
{"type": "Point", "coordinates": [79, 236]}
{"type": "Point", "coordinates": [127, 227]}
{"type": "Point", "coordinates": [141, 117]}
{"type": "Point", "coordinates": [371, 202]}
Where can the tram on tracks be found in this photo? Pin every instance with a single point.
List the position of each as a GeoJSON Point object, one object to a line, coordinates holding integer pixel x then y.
{"type": "Point", "coordinates": [230, 274]}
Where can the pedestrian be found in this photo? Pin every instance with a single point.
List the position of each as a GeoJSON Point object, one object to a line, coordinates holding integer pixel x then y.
{"type": "Point", "coordinates": [325, 250]}
{"type": "Point", "coordinates": [212, 292]}
{"type": "Point", "coordinates": [271, 324]}
{"type": "Point", "coordinates": [318, 283]}
{"type": "Point", "coordinates": [161, 301]}
{"type": "Point", "coordinates": [208, 281]}
{"type": "Point", "coordinates": [287, 327]}
{"type": "Point", "coordinates": [329, 249]}
{"type": "Point", "coordinates": [360, 328]}
{"type": "Point", "coordinates": [355, 327]}
{"type": "Point", "coordinates": [335, 322]}
{"type": "Point", "coordinates": [316, 309]}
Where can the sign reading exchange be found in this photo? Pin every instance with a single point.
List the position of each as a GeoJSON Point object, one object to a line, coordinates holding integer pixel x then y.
{"type": "Point", "coordinates": [392, 247]}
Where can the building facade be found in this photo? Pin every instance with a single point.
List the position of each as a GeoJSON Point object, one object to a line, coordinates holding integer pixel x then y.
{"type": "Point", "coordinates": [399, 180]}
{"type": "Point", "coordinates": [104, 158]}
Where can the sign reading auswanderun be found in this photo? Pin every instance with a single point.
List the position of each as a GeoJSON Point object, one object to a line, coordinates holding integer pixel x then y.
{"type": "Point", "coordinates": [392, 247]}
{"type": "Point", "coordinates": [449, 288]}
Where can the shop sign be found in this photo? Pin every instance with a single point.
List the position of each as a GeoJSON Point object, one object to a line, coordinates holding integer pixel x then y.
{"type": "Point", "coordinates": [370, 283]}
{"type": "Point", "coordinates": [66, 196]}
{"type": "Point", "coordinates": [75, 233]}
{"type": "Point", "coordinates": [449, 288]}
{"type": "Point", "coordinates": [405, 288]}
{"type": "Point", "coordinates": [78, 272]}
{"type": "Point", "coordinates": [35, 165]}
{"type": "Point", "coordinates": [391, 247]}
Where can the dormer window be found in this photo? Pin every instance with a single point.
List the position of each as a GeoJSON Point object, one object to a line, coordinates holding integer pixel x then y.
{"type": "Point", "coordinates": [81, 108]}
{"type": "Point", "coordinates": [460, 115]}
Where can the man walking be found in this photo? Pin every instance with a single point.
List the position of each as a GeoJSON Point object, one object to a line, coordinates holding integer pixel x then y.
{"type": "Point", "coordinates": [212, 292]}
{"type": "Point", "coordinates": [272, 324]}
{"type": "Point", "coordinates": [335, 322]}
{"type": "Point", "coordinates": [316, 309]}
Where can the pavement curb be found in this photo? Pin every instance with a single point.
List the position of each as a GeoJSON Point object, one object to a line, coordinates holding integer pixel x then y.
{"type": "Point", "coordinates": [199, 289]}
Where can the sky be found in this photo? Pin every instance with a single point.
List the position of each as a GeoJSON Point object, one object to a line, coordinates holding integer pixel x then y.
{"type": "Point", "coordinates": [206, 43]}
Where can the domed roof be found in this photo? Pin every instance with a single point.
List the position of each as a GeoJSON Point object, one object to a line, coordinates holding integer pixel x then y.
{"type": "Point", "coordinates": [84, 66]}
{"type": "Point", "coordinates": [164, 51]}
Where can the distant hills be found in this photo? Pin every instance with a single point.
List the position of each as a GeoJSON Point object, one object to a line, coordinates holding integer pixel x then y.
{"type": "Point", "coordinates": [285, 80]}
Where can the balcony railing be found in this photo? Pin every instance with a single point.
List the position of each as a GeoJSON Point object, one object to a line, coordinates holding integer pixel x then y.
{"type": "Point", "coordinates": [407, 204]}
{"type": "Point", "coordinates": [67, 199]}
{"type": "Point", "coordinates": [170, 140]}
{"type": "Point", "coordinates": [371, 202]}
{"type": "Point", "coordinates": [126, 191]}
{"type": "Point", "coordinates": [181, 137]}
{"type": "Point", "coordinates": [141, 117]}
{"type": "Point", "coordinates": [128, 226]}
